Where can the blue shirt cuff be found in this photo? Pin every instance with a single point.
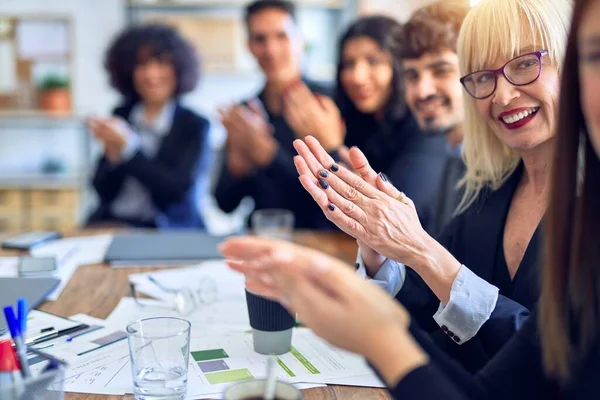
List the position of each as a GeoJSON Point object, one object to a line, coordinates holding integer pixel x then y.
{"type": "Point", "coordinates": [131, 147]}
{"type": "Point", "coordinates": [472, 300]}
{"type": "Point", "coordinates": [390, 276]}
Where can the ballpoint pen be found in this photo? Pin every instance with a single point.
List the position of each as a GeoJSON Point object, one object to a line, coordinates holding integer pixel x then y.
{"type": "Point", "coordinates": [22, 311]}
{"type": "Point", "coordinates": [13, 326]}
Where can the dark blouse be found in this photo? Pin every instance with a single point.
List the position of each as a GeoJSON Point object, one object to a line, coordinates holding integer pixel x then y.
{"type": "Point", "coordinates": [515, 373]}
{"type": "Point", "coordinates": [476, 239]}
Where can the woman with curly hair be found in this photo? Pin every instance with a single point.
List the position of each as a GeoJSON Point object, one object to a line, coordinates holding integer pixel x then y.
{"type": "Point", "coordinates": [156, 152]}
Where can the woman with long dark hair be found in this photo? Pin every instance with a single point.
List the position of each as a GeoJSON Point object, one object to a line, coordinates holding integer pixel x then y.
{"type": "Point", "coordinates": [370, 98]}
{"type": "Point", "coordinates": [557, 354]}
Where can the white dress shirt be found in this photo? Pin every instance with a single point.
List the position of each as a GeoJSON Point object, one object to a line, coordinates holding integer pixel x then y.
{"type": "Point", "coordinates": [134, 200]}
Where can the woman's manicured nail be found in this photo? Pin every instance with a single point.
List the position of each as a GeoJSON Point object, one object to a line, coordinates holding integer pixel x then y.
{"type": "Point", "coordinates": [324, 174]}
{"type": "Point", "coordinates": [335, 168]}
{"type": "Point", "coordinates": [383, 177]}
{"type": "Point", "coordinates": [331, 207]}
{"type": "Point", "coordinates": [323, 183]}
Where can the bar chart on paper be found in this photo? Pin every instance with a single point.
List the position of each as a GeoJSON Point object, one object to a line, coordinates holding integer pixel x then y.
{"type": "Point", "coordinates": [229, 358]}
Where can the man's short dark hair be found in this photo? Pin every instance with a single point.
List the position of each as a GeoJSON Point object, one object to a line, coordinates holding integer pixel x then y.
{"type": "Point", "coordinates": [261, 5]}
{"type": "Point", "coordinates": [433, 28]}
{"type": "Point", "coordinates": [159, 41]}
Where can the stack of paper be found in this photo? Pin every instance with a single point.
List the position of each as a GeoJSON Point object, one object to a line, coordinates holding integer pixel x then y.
{"type": "Point", "coordinates": [72, 253]}
{"type": "Point", "coordinates": [69, 253]}
{"type": "Point", "coordinates": [221, 342]}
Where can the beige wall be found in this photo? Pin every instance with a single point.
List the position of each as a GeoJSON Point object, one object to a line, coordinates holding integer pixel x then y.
{"type": "Point", "coordinates": [400, 9]}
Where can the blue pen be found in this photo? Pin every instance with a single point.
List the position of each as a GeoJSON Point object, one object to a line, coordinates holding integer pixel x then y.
{"type": "Point", "coordinates": [13, 326]}
{"type": "Point", "coordinates": [22, 311]}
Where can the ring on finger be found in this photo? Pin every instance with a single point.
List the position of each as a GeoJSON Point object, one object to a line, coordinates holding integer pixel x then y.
{"type": "Point", "coordinates": [402, 198]}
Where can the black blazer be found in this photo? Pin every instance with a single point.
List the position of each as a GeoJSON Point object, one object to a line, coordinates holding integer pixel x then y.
{"type": "Point", "coordinates": [450, 194]}
{"type": "Point", "coordinates": [515, 373]}
{"type": "Point", "coordinates": [171, 177]}
{"type": "Point", "coordinates": [475, 238]}
{"type": "Point", "coordinates": [412, 161]}
{"type": "Point", "coordinates": [276, 185]}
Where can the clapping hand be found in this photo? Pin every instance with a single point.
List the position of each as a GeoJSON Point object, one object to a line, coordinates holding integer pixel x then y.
{"type": "Point", "coordinates": [313, 114]}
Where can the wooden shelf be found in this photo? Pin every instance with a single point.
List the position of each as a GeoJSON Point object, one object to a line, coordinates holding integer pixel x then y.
{"type": "Point", "coordinates": [42, 181]}
{"type": "Point", "coordinates": [37, 114]}
{"type": "Point", "coordinates": [177, 5]}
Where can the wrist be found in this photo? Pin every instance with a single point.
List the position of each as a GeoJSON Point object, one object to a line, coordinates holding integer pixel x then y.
{"type": "Point", "coordinates": [331, 141]}
{"type": "Point", "coordinates": [438, 267]}
{"type": "Point", "coordinates": [372, 260]}
{"type": "Point", "coordinates": [265, 155]}
{"type": "Point", "coordinates": [395, 353]}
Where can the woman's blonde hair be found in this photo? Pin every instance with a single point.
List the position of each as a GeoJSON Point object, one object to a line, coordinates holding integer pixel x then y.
{"type": "Point", "coordinates": [500, 29]}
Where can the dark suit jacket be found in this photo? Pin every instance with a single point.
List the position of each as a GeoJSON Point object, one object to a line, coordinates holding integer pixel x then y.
{"type": "Point", "coordinates": [516, 373]}
{"type": "Point", "coordinates": [450, 194]}
{"type": "Point", "coordinates": [171, 176]}
{"type": "Point", "coordinates": [276, 185]}
{"type": "Point", "coordinates": [475, 238]}
{"type": "Point", "coordinates": [413, 162]}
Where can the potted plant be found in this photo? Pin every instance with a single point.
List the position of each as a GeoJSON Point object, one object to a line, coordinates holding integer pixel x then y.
{"type": "Point", "coordinates": [54, 94]}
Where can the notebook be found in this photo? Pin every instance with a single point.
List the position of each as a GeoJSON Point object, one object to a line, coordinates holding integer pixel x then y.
{"type": "Point", "coordinates": [34, 290]}
{"type": "Point", "coordinates": [162, 248]}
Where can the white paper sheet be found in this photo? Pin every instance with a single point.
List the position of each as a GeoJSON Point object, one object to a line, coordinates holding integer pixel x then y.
{"type": "Point", "coordinates": [369, 380]}
{"type": "Point", "coordinates": [217, 317]}
{"type": "Point", "coordinates": [72, 253]}
{"type": "Point", "coordinates": [228, 283]}
{"type": "Point", "coordinates": [229, 357]}
{"type": "Point", "coordinates": [9, 267]}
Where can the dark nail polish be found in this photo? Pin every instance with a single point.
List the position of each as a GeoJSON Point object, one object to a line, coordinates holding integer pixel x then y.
{"type": "Point", "coordinates": [331, 207]}
{"type": "Point", "coordinates": [335, 168]}
{"type": "Point", "coordinates": [324, 174]}
{"type": "Point", "coordinates": [383, 177]}
{"type": "Point", "coordinates": [356, 266]}
{"type": "Point", "coordinates": [323, 183]}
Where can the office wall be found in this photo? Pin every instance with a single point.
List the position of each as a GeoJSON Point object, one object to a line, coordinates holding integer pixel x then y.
{"type": "Point", "coordinates": [25, 144]}
{"type": "Point", "coordinates": [94, 22]}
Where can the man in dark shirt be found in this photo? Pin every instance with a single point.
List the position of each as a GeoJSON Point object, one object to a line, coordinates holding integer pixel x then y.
{"type": "Point", "coordinates": [433, 90]}
{"type": "Point", "coordinates": [259, 152]}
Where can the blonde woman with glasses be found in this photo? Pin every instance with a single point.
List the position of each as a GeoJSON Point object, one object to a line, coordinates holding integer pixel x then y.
{"type": "Point", "coordinates": [474, 286]}
{"type": "Point", "coordinates": [555, 356]}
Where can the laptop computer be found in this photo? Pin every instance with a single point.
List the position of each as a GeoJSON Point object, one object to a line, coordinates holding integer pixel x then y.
{"type": "Point", "coordinates": [35, 290]}
{"type": "Point", "coordinates": [162, 248]}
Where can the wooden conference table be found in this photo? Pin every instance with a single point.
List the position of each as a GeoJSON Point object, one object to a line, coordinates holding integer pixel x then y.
{"type": "Point", "coordinates": [97, 289]}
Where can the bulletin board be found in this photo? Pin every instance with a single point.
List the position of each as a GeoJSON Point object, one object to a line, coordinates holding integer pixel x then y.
{"type": "Point", "coordinates": [35, 56]}
{"type": "Point", "coordinates": [217, 40]}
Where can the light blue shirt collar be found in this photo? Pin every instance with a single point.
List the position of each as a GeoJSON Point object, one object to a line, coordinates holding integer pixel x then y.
{"type": "Point", "coordinates": [161, 124]}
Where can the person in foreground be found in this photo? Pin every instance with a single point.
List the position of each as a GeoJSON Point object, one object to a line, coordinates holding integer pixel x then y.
{"type": "Point", "coordinates": [473, 287]}
{"type": "Point", "coordinates": [555, 355]}
{"type": "Point", "coordinates": [156, 152]}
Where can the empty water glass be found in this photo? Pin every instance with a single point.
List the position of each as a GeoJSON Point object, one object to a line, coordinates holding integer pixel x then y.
{"type": "Point", "coordinates": [159, 350]}
{"type": "Point", "coordinates": [273, 223]}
